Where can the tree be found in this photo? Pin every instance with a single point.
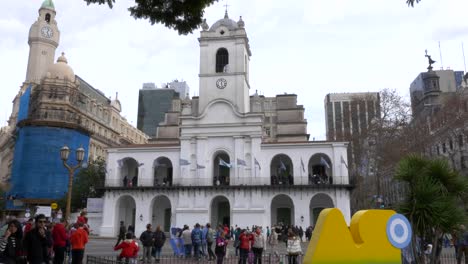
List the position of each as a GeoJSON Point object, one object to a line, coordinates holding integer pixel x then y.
{"type": "Point", "coordinates": [86, 184]}
{"type": "Point", "coordinates": [183, 16]}
{"type": "Point", "coordinates": [431, 202]}
{"type": "Point", "coordinates": [375, 149]}
{"type": "Point", "coordinates": [412, 2]}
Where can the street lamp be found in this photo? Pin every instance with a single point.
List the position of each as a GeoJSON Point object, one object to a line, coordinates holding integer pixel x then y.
{"type": "Point", "coordinates": [64, 153]}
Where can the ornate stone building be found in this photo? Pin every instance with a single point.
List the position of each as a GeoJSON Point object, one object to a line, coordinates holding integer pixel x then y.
{"type": "Point", "coordinates": [226, 157]}
{"type": "Point", "coordinates": [55, 107]}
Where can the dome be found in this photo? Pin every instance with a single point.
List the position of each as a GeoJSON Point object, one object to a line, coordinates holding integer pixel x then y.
{"type": "Point", "coordinates": [48, 4]}
{"type": "Point", "coordinates": [61, 70]}
{"type": "Point", "coordinates": [226, 21]}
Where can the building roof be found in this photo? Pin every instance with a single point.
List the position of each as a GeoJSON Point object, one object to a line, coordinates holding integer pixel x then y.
{"type": "Point", "coordinates": [48, 4]}
{"type": "Point", "coordinates": [226, 21]}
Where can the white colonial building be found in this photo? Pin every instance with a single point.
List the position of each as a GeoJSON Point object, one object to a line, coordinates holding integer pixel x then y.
{"type": "Point", "coordinates": [232, 158]}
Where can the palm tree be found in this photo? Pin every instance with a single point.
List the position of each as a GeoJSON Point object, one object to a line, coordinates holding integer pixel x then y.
{"type": "Point", "coordinates": [433, 199]}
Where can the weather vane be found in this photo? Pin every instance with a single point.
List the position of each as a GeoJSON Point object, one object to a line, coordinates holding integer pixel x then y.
{"type": "Point", "coordinates": [431, 61]}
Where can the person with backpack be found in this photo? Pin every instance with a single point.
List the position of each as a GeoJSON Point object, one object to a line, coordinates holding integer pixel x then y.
{"type": "Point", "coordinates": [293, 247]}
{"type": "Point", "coordinates": [159, 239]}
{"type": "Point", "coordinates": [196, 240]}
{"type": "Point", "coordinates": [146, 239]}
{"type": "Point", "coordinates": [210, 234]}
{"type": "Point", "coordinates": [220, 249]}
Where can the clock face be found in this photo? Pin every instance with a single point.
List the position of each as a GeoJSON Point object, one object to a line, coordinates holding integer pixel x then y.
{"type": "Point", "coordinates": [221, 83]}
{"type": "Point", "coordinates": [47, 32]}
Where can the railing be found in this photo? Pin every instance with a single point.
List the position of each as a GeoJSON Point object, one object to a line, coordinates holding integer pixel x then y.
{"type": "Point", "coordinates": [232, 181]}
{"type": "Point", "coordinates": [446, 257]}
{"type": "Point", "coordinates": [267, 258]}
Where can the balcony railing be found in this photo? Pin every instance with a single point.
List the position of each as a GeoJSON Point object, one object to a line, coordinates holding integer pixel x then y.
{"type": "Point", "coordinates": [230, 181]}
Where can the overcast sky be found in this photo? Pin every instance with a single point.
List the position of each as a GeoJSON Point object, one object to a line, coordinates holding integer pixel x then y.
{"type": "Point", "coordinates": [309, 47]}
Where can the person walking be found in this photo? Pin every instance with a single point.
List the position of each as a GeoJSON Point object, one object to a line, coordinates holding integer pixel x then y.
{"type": "Point", "coordinates": [60, 238]}
{"type": "Point", "coordinates": [159, 239]}
{"type": "Point", "coordinates": [11, 244]}
{"type": "Point", "coordinates": [129, 249]}
{"type": "Point", "coordinates": [146, 239]}
{"type": "Point", "coordinates": [220, 249]}
{"type": "Point", "coordinates": [293, 247]}
{"type": "Point", "coordinates": [244, 246]}
{"type": "Point", "coordinates": [273, 241]}
{"type": "Point", "coordinates": [121, 235]}
{"type": "Point", "coordinates": [258, 245]}
{"type": "Point", "coordinates": [187, 238]}
{"type": "Point", "coordinates": [210, 234]}
{"type": "Point", "coordinates": [37, 242]}
{"type": "Point", "coordinates": [203, 241]}
{"type": "Point", "coordinates": [237, 233]}
{"type": "Point", "coordinates": [196, 241]}
{"type": "Point", "coordinates": [78, 242]}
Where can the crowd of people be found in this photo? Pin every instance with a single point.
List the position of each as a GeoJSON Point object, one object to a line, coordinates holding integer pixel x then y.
{"type": "Point", "coordinates": [39, 241]}
{"type": "Point", "coordinates": [211, 244]}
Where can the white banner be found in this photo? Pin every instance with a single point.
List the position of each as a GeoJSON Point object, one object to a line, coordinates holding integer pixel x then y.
{"type": "Point", "coordinates": [95, 205]}
{"type": "Point", "coordinates": [45, 210]}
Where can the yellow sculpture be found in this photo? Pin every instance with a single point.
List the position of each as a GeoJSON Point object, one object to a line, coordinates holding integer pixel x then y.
{"type": "Point", "coordinates": [374, 236]}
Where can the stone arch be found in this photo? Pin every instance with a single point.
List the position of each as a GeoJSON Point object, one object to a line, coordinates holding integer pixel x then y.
{"type": "Point", "coordinates": [221, 168]}
{"type": "Point", "coordinates": [319, 169]}
{"type": "Point", "coordinates": [129, 172]}
{"type": "Point", "coordinates": [162, 171]}
{"type": "Point", "coordinates": [220, 211]}
{"type": "Point", "coordinates": [125, 211]}
{"type": "Point", "coordinates": [282, 210]}
{"type": "Point", "coordinates": [319, 202]}
{"type": "Point", "coordinates": [161, 212]}
{"type": "Point", "coordinates": [281, 170]}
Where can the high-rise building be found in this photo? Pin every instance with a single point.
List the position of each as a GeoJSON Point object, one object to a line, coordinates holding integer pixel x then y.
{"type": "Point", "coordinates": [53, 108]}
{"type": "Point", "coordinates": [154, 103]}
{"type": "Point", "coordinates": [349, 113]}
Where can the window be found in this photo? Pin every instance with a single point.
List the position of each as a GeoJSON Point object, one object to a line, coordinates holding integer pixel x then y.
{"type": "Point", "coordinates": [438, 150]}
{"type": "Point", "coordinates": [451, 144]}
{"type": "Point", "coordinates": [47, 18]}
{"type": "Point", "coordinates": [460, 141]}
{"type": "Point", "coordinates": [462, 162]}
{"type": "Point", "coordinates": [444, 149]}
{"type": "Point", "coordinates": [268, 131]}
{"type": "Point", "coordinates": [222, 59]}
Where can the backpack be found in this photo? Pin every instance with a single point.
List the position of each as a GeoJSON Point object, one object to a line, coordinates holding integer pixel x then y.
{"type": "Point", "coordinates": [210, 236]}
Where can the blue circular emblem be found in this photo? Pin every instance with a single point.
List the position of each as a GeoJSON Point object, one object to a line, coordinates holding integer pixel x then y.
{"type": "Point", "coordinates": [399, 231]}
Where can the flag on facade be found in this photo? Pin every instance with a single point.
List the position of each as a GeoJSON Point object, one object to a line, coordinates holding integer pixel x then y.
{"type": "Point", "coordinates": [324, 162]}
{"type": "Point", "coordinates": [120, 163]}
{"type": "Point", "coordinates": [343, 161]}
{"type": "Point", "coordinates": [282, 166]}
{"type": "Point", "coordinates": [183, 162]}
{"type": "Point", "coordinates": [257, 164]}
{"type": "Point", "coordinates": [140, 164]}
{"type": "Point", "coordinates": [224, 164]}
{"type": "Point", "coordinates": [302, 165]}
{"type": "Point", "coordinates": [200, 166]}
{"type": "Point", "coordinates": [241, 162]}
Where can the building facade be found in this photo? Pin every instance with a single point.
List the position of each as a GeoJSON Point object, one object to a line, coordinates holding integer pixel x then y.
{"type": "Point", "coordinates": [154, 103]}
{"type": "Point", "coordinates": [53, 108]}
{"type": "Point", "coordinates": [213, 160]}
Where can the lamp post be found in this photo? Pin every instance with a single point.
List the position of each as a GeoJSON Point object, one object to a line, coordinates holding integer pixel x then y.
{"type": "Point", "coordinates": [64, 153]}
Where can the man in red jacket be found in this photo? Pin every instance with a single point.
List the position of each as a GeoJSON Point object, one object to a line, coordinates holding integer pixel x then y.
{"type": "Point", "coordinates": [60, 237]}
{"type": "Point", "coordinates": [78, 241]}
{"type": "Point", "coordinates": [129, 248]}
{"type": "Point", "coordinates": [245, 239]}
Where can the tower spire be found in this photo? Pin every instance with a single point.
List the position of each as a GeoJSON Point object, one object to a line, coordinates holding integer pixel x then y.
{"type": "Point", "coordinates": [226, 11]}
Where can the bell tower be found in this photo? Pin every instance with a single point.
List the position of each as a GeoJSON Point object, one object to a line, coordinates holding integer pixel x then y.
{"type": "Point", "coordinates": [43, 40]}
{"type": "Point", "coordinates": [224, 64]}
